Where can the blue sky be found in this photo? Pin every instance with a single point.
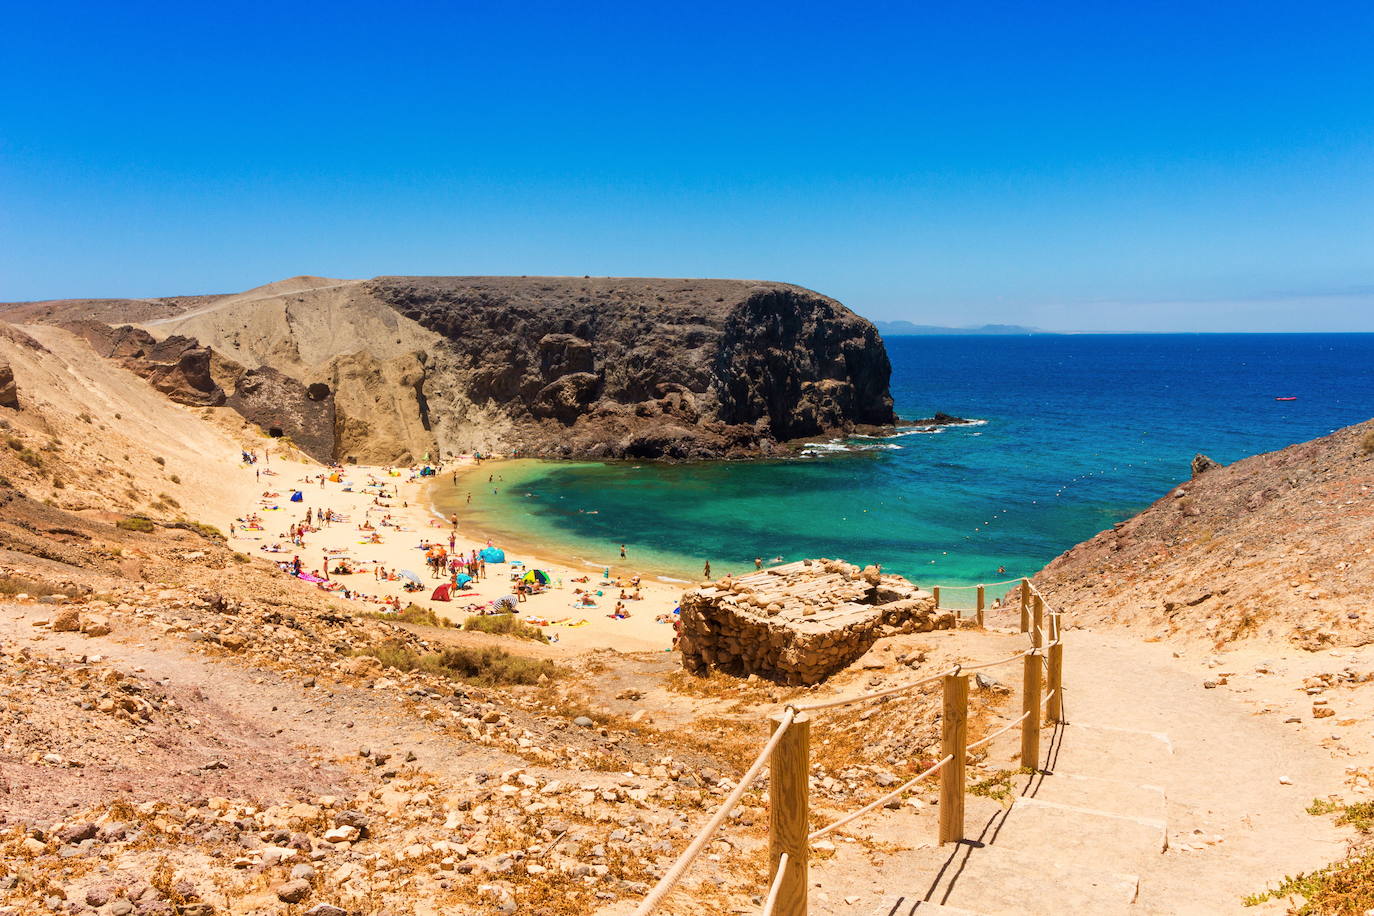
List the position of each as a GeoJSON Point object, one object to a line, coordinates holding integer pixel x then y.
{"type": "Point", "coordinates": [1102, 166]}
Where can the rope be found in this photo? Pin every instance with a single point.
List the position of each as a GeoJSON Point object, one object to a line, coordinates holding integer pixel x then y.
{"type": "Point", "coordinates": [1047, 697]}
{"type": "Point", "coordinates": [776, 886]}
{"type": "Point", "coordinates": [830, 704]}
{"type": "Point", "coordinates": [980, 585]}
{"type": "Point", "coordinates": [879, 802]}
{"type": "Point", "coordinates": [1002, 662]}
{"type": "Point", "coordinates": [674, 874]}
{"type": "Point", "coordinates": [1003, 730]}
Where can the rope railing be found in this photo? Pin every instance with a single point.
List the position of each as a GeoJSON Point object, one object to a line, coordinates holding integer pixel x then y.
{"type": "Point", "coordinates": [675, 873]}
{"type": "Point", "coordinates": [787, 751]}
{"type": "Point", "coordinates": [878, 802]}
{"type": "Point", "coordinates": [772, 899]}
{"type": "Point", "coordinates": [1001, 731]}
{"type": "Point", "coordinates": [873, 695]}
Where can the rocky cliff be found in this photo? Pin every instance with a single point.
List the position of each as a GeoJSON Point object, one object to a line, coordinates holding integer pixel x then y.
{"type": "Point", "coordinates": [1275, 545]}
{"type": "Point", "coordinates": [540, 366]}
{"type": "Point", "coordinates": [645, 368]}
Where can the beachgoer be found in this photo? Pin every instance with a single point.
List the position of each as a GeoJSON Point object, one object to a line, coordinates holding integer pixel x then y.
{"type": "Point", "coordinates": [1001, 570]}
{"type": "Point", "coordinates": [758, 562]}
{"type": "Point", "coordinates": [706, 570]}
{"type": "Point", "coordinates": [622, 551]}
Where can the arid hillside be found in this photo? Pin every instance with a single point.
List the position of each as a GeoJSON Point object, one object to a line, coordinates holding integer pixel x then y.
{"type": "Point", "coordinates": [1277, 545]}
{"type": "Point", "coordinates": [388, 369]}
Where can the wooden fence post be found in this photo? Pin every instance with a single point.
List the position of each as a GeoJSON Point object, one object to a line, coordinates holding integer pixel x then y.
{"type": "Point", "coordinates": [789, 817]}
{"type": "Point", "coordinates": [1025, 605]}
{"type": "Point", "coordinates": [953, 744]}
{"type": "Point", "coordinates": [936, 592]}
{"type": "Point", "coordinates": [981, 603]}
{"type": "Point", "coordinates": [1038, 622]}
{"type": "Point", "coordinates": [1030, 705]}
{"type": "Point", "coordinates": [1054, 711]}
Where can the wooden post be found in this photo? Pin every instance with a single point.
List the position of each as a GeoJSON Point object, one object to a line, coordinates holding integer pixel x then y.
{"type": "Point", "coordinates": [1030, 704]}
{"type": "Point", "coordinates": [1038, 622]}
{"type": "Point", "coordinates": [953, 744]}
{"type": "Point", "coordinates": [1054, 711]}
{"type": "Point", "coordinates": [936, 592]}
{"type": "Point", "coordinates": [789, 817]}
{"type": "Point", "coordinates": [981, 603]}
{"type": "Point", "coordinates": [1025, 605]}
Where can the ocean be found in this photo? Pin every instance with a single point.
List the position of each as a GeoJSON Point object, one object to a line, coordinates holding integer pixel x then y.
{"type": "Point", "coordinates": [1075, 432]}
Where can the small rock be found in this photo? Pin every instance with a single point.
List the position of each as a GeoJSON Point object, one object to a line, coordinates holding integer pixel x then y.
{"type": "Point", "coordinates": [66, 620]}
{"type": "Point", "coordinates": [583, 722]}
{"type": "Point", "coordinates": [1285, 781]}
{"type": "Point", "coordinates": [325, 909]}
{"type": "Point", "coordinates": [293, 891]}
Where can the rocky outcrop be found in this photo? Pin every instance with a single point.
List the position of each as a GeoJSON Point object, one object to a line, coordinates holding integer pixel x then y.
{"type": "Point", "coordinates": [643, 368]}
{"type": "Point", "coordinates": [802, 622]}
{"type": "Point", "coordinates": [177, 366]}
{"type": "Point", "coordinates": [9, 391]}
{"type": "Point", "coordinates": [1202, 464]}
{"type": "Point", "coordinates": [284, 407]}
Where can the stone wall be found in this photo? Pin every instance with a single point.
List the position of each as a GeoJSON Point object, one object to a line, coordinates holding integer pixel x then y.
{"type": "Point", "coordinates": [802, 622]}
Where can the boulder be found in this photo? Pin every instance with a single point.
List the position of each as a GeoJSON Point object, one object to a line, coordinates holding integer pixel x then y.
{"type": "Point", "coordinates": [1202, 464]}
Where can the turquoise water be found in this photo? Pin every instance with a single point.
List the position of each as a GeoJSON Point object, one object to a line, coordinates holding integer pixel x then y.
{"type": "Point", "coordinates": [1078, 432]}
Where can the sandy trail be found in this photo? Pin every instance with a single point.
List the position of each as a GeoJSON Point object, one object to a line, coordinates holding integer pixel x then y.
{"type": "Point", "coordinates": [410, 523]}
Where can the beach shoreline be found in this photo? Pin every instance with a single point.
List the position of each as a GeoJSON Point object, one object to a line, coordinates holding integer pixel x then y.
{"type": "Point", "coordinates": [552, 550]}
{"type": "Point", "coordinates": [409, 520]}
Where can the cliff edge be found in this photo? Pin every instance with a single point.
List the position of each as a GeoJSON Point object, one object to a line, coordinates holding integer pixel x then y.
{"type": "Point", "coordinates": [1276, 545]}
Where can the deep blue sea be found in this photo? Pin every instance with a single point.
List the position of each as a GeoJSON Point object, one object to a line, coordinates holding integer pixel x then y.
{"type": "Point", "coordinates": [1079, 431]}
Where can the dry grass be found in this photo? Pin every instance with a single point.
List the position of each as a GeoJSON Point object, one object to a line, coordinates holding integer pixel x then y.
{"type": "Point", "coordinates": [481, 666]}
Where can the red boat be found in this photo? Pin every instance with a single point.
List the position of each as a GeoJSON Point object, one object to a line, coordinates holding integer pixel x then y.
{"type": "Point", "coordinates": [1285, 399]}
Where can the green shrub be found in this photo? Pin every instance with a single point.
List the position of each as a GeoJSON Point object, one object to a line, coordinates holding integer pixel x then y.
{"type": "Point", "coordinates": [135, 523]}
{"type": "Point", "coordinates": [413, 613]}
{"type": "Point", "coordinates": [504, 625]}
{"type": "Point", "coordinates": [1345, 887]}
{"type": "Point", "coordinates": [491, 667]}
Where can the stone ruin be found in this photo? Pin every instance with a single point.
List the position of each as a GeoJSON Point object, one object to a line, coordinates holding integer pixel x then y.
{"type": "Point", "coordinates": [801, 622]}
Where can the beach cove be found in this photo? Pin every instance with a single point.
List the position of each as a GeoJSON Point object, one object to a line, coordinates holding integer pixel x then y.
{"type": "Point", "coordinates": [1079, 432]}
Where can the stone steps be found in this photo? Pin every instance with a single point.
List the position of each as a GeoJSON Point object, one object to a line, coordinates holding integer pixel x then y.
{"type": "Point", "coordinates": [1003, 881]}
{"type": "Point", "coordinates": [1070, 843]}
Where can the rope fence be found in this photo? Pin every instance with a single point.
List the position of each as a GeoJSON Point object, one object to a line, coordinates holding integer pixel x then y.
{"type": "Point", "coordinates": [787, 754]}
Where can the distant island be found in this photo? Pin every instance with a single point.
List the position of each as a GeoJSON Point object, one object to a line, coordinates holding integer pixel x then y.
{"type": "Point", "coordinates": [907, 329]}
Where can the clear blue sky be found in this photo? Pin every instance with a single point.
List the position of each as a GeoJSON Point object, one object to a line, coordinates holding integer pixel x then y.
{"type": "Point", "coordinates": [1150, 166]}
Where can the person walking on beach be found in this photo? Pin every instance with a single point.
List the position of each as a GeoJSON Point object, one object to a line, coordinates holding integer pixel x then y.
{"type": "Point", "coordinates": [706, 571]}
{"type": "Point", "coordinates": [758, 562]}
{"type": "Point", "coordinates": [622, 551]}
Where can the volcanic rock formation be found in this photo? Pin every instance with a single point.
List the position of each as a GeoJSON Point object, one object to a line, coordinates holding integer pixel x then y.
{"type": "Point", "coordinates": [537, 366]}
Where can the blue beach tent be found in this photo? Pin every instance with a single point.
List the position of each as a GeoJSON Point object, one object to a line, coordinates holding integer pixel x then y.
{"type": "Point", "coordinates": [493, 555]}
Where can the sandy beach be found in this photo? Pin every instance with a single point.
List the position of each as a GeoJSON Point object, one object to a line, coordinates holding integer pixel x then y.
{"type": "Point", "coordinates": [405, 524]}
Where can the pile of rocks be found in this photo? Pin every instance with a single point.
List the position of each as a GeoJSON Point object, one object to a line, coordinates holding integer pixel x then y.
{"type": "Point", "coordinates": [802, 622]}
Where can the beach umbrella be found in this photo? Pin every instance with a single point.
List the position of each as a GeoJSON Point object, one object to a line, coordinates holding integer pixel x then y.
{"type": "Point", "coordinates": [505, 603]}
{"type": "Point", "coordinates": [537, 575]}
{"type": "Point", "coordinates": [407, 574]}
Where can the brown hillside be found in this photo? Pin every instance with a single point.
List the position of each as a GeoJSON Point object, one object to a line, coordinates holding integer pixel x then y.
{"type": "Point", "coordinates": [1277, 545]}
